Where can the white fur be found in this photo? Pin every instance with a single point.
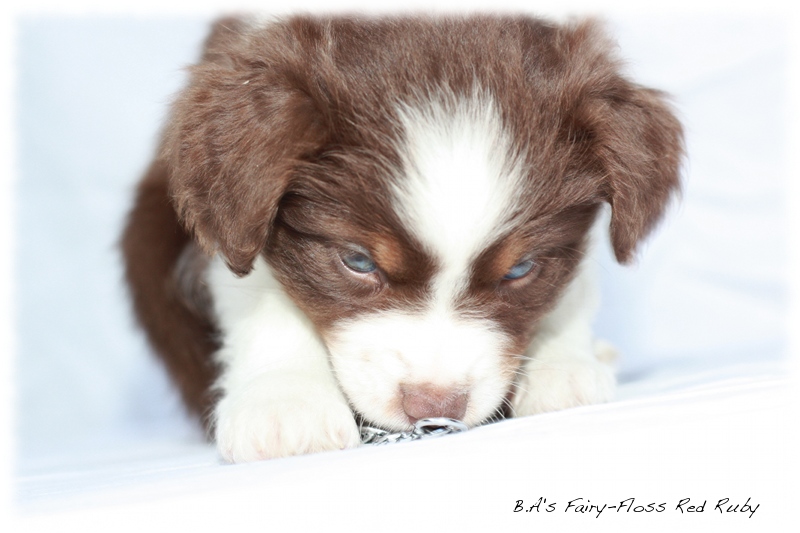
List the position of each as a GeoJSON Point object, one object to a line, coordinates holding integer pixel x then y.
{"type": "Point", "coordinates": [460, 183]}
{"type": "Point", "coordinates": [564, 365]}
{"type": "Point", "coordinates": [279, 396]}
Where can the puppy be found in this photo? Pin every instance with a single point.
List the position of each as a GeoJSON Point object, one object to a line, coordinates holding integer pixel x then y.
{"type": "Point", "coordinates": [387, 219]}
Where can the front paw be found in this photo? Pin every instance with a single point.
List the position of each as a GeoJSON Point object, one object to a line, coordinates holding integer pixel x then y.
{"type": "Point", "coordinates": [279, 416]}
{"type": "Point", "coordinates": [552, 385]}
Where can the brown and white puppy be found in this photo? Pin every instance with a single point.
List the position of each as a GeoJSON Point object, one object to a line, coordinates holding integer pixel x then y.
{"type": "Point", "coordinates": [387, 219]}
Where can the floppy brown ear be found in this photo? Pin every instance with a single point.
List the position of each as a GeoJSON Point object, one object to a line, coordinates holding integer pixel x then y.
{"type": "Point", "coordinates": [633, 141]}
{"type": "Point", "coordinates": [640, 148]}
{"type": "Point", "coordinates": [235, 135]}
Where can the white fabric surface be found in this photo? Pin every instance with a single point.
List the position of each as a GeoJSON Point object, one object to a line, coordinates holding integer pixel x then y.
{"type": "Point", "coordinates": [700, 320]}
{"type": "Point", "coordinates": [707, 433]}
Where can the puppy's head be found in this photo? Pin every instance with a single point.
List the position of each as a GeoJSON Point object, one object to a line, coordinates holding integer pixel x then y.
{"type": "Point", "coordinates": [422, 188]}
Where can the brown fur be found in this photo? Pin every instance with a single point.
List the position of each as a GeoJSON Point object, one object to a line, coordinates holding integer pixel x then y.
{"type": "Point", "coordinates": [284, 144]}
{"type": "Point", "coordinates": [152, 245]}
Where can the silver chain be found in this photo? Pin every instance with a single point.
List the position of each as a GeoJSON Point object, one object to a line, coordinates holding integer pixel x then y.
{"type": "Point", "coordinates": [423, 429]}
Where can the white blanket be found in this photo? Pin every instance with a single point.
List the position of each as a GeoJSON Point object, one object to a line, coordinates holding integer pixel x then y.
{"type": "Point", "coordinates": [700, 433]}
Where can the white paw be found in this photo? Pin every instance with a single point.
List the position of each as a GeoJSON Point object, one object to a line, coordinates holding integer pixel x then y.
{"type": "Point", "coordinates": [565, 382]}
{"type": "Point", "coordinates": [278, 416]}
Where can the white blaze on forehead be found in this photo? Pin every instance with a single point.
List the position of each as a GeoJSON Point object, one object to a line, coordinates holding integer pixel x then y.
{"type": "Point", "coordinates": [460, 182]}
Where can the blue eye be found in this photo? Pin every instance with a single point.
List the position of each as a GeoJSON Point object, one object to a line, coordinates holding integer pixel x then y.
{"type": "Point", "coordinates": [358, 262]}
{"type": "Point", "coordinates": [520, 270]}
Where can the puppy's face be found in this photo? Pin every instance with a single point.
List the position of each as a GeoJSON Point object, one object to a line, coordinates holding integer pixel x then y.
{"type": "Point", "coordinates": [424, 219]}
{"type": "Point", "coordinates": [426, 276]}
